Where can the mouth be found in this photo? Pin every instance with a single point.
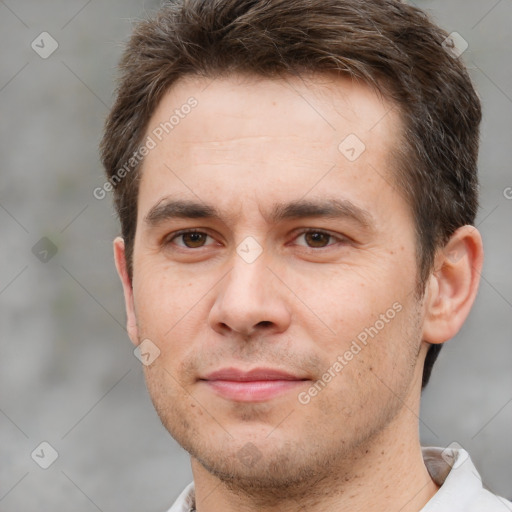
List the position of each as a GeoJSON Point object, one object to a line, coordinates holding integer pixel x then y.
{"type": "Point", "coordinates": [256, 385]}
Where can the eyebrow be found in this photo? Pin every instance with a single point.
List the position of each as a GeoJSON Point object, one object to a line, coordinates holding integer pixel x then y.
{"type": "Point", "coordinates": [168, 209]}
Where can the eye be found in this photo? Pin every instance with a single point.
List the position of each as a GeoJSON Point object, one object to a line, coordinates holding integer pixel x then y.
{"type": "Point", "coordinates": [317, 239]}
{"type": "Point", "coordinates": [191, 239]}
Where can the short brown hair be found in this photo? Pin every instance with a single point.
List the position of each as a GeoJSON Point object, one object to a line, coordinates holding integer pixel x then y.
{"type": "Point", "coordinates": [387, 44]}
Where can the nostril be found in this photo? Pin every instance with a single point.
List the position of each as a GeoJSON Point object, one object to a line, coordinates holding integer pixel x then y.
{"type": "Point", "coordinates": [264, 323]}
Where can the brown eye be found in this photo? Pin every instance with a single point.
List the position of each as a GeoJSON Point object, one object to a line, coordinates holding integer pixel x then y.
{"type": "Point", "coordinates": [193, 240]}
{"type": "Point", "coordinates": [189, 239]}
{"type": "Point", "coordinates": [317, 238]}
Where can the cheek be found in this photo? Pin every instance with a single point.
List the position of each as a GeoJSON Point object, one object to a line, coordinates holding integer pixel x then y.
{"type": "Point", "coordinates": [161, 298]}
{"type": "Point", "coordinates": [343, 302]}
{"type": "Point", "coordinates": [172, 310]}
{"type": "Point", "coordinates": [373, 326]}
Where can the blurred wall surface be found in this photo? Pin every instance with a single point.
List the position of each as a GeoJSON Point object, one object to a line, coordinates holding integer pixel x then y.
{"type": "Point", "coordinates": [68, 375]}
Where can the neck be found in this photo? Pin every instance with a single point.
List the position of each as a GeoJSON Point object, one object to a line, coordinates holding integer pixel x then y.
{"type": "Point", "coordinates": [387, 473]}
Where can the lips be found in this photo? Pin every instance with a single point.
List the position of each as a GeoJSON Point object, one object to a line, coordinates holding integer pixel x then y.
{"type": "Point", "coordinates": [256, 385]}
{"type": "Point", "coordinates": [235, 374]}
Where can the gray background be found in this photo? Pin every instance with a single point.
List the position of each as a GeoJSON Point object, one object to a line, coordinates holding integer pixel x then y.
{"type": "Point", "coordinates": [67, 371]}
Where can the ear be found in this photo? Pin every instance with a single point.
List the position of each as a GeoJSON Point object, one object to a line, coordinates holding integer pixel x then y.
{"type": "Point", "coordinates": [452, 287]}
{"type": "Point", "coordinates": [122, 270]}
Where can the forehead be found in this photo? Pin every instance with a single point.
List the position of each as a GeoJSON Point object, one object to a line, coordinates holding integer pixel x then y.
{"type": "Point", "coordinates": [322, 104]}
{"type": "Point", "coordinates": [247, 137]}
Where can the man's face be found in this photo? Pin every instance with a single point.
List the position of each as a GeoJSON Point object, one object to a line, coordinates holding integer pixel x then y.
{"type": "Point", "coordinates": [309, 258]}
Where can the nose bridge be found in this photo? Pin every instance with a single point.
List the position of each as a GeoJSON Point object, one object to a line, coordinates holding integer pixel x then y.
{"type": "Point", "coordinates": [249, 275]}
{"type": "Point", "coordinates": [248, 296]}
{"type": "Point", "coordinates": [248, 284]}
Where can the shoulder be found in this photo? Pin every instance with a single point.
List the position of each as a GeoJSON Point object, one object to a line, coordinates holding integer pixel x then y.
{"type": "Point", "coordinates": [489, 502]}
{"type": "Point", "coordinates": [185, 501]}
{"type": "Point", "coordinates": [461, 488]}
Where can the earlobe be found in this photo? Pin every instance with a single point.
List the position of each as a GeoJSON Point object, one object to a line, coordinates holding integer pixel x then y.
{"type": "Point", "coordinates": [453, 285]}
{"type": "Point", "coordinates": [122, 270]}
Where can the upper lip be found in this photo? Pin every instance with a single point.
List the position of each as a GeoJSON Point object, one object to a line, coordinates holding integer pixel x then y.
{"type": "Point", "coordinates": [236, 374]}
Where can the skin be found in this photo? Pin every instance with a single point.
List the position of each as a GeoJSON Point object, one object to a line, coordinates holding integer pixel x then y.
{"type": "Point", "coordinates": [248, 145]}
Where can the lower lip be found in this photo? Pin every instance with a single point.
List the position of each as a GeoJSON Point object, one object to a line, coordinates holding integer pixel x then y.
{"type": "Point", "coordinates": [252, 391]}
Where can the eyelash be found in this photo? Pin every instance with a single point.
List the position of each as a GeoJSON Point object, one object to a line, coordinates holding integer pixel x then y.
{"type": "Point", "coordinates": [177, 234]}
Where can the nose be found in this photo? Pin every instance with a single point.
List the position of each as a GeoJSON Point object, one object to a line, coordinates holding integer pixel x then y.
{"type": "Point", "coordinates": [250, 300]}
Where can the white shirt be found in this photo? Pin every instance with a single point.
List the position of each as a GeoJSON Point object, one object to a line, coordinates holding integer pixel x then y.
{"type": "Point", "coordinates": [460, 484]}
